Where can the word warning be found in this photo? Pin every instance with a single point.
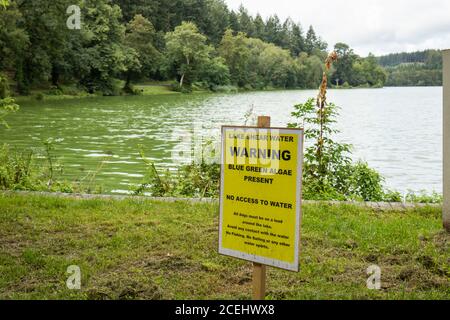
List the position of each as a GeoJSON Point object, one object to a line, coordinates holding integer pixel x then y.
{"type": "Point", "coordinates": [260, 195]}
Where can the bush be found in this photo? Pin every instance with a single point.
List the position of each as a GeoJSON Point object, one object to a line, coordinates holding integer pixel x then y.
{"type": "Point", "coordinates": [184, 89]}
{"type": "Point", "coordinates": [193, 180]}
{"type": "Point", "coordinates": [363, 182]}
{"type": "Point", "coordinates": [4, 87]}
{"type": "Point", "coordinates": [329, 173]}
{"type": "Point", "coordinates": [29, 171]}
{"type": "Point", "coordinates": [346, 85]}
{"type": "Point", "coordinates": [225, 89]}
{"type": "Point", "coordinates": [54, 91]}
{"type": "Point", "coordinates": [423, 197]}
{"type": "Point", "coordinates": [18, 170]}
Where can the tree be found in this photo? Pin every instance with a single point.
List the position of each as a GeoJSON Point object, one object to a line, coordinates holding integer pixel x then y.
{"type": "Point", "coordinates": [314, 71]}
{"type": "Point", "coordinates": [310, 41]}
{"type": "Point", "coordinates": [214, 72]}
{"type": "Point", "coordinates": [313, 42]}
{"type": "Point", "coordinates": [14, 42]}
{"type": "Point", "coordinates": [356, 71]}
{"type": "Point", "coordinates": [254, 63]}
{"type": "Point", "coordinates": [373, 74]}
{"type": "Point", "coordinates": [277, 67]}
{"type": "Point", "coordinates": [126, 39]}
{"type": "Point", "coordinates": [234, 22]}
{"type": "Point", "coordinates": [297, 41]}
{"type": "Point", "coordinates": [273, 31]}
{"type": "Point", "coordinates": [102, 55]}
{"type": "Point", "coordinates": [217, 20]}
{"type": "Point", "coordinates": [344, 65]}
{"type": "Point", "coordinates": [286, 34]}
{"type": "Point", "coordinates": [301, 70]}
{"type": "Point", "coordinates": [260, 27]}
{"type": "Point", "coordinates": [50, 43]}
{"type": "Point", "coordinates": [237, 54]}
{"type": "Point", "coordinates": [131, 8]}
{"type": "Point", "coordinates": [7, 104]}
{"type": "Point", "coordinates": [246, 24]}
{"type": "Point", "coordinates": [140, 36]}
{"type": "Point", "coordinates": [186, 48]}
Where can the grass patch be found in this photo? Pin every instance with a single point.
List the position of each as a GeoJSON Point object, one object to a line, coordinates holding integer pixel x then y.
{"type": "Point", "coordinates": [154, 89]}
{"type": "Point", "coordinates": [139, 249]}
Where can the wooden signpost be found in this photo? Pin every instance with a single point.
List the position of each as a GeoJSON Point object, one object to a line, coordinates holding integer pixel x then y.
{"type": "Point", "coordinates": [259, 270]}
{"type": "Point", "coordinates": [260, 198]}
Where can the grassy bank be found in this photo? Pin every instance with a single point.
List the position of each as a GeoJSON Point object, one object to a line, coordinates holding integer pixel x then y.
{"type": "Point", "coordinates": [134, 249]}
{"type": "Point", "coordinates": [144, 89]}
{"type": "Point", "coordinates": [75, 93]}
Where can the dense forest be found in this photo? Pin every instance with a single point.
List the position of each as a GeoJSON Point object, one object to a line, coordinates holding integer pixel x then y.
{"type": "Point", "coordinates": [192, 42]}
{"type": "Point", "coordinates": [198, 43]}
{"type": "Point", "coordinates": [421, 68]}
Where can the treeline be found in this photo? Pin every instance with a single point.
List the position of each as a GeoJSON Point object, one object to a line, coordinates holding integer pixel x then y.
{"type": "Point", "coordinates": [431, 58]}
{"type": "Point", "coordinates": [195, 42]}
{"type": "Point", "coordinates": [421, 68]}
{"type": "Point", "coordinates": [352, 70]}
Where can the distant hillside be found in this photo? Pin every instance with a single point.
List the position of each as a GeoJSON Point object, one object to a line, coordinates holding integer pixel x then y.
{"type": "Point", "coordinates": [430, 57]}
{"type": "Point", "coordinates": [421, 68]}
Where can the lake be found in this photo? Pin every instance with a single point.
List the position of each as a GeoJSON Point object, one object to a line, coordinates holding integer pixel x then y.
{"type": "Point", "coordinates": [398, 131]}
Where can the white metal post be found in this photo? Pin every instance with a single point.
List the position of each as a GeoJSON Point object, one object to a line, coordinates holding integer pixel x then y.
{"type": "Point", "coordinates": [446, 160]}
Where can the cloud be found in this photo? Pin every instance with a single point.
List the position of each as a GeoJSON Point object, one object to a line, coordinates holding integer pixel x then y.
{"type": "Point", "coordinates": [377, 26]}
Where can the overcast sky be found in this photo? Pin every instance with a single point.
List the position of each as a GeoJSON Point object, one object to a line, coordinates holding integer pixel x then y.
{"type": "Point", "coordinates": [377, 26]}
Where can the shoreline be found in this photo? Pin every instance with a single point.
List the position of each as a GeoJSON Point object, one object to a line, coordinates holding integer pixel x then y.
{"type": "Point", "coordinates": [163, 89]}
{"type": "Point", "coordinates": [381, 206]}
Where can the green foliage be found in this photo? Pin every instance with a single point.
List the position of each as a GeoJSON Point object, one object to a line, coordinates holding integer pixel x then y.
{"type": "Point", "coordinates": [193, 180]}
{"type": "Point", "coordinates": [413, 75]}
{"type": "Point", "coordinates": [360, 182]}
{"type": "Point", "coordinates": [135, 40]}
{"type": "Point", "coordinates": [141, 40]}
{"type": "Point", "coordinates": [40, 96]}
{"type": "Point", "coordinates": [49, 57]}
{"type": "Point", "coordinates": [311, 70]}
{"type": "Point", "coordinates": [23, 170]}
{"type": "Point", "coordinates": [102, 56]}
{"type": "Point", "coordinates": [7, 104]}
{"type": "Point", "coordinates": [144, 60]}
{"type": "Point", "coordinates": [4, 87]}
{"type": "Point", "coordinates": [124, 39]}
{"type": "Point", "coordinates": [432, 58]}
{"type": "Point", "coordinates": [422, 68]}
{"type": "Point", "coordinates": [198, 180]}
{"type": "Point", "coordinates": [328, 172]}
{"type": "Point", "coordinates": [324, 158]}
{"type": "Point", "coordinates": [31, 170]}
{"type": "Point", "coordinates": [313, 42]}
{"type": "Point", "coordinates": [189, 54]}
{"type": "Point", "coordinates": [352, 70]}
{"type": "Point", "coordinates": [423, 197]}
{"type": "Point", "coordinates": [214, 73]}
{"type": "Point", "coordinates": [17, 170]}
{"type": "Point", "coordinates": [256, 64]}
{"type": "Point", "coordinates": [14, 42]}
{"type": "Point", "coordinates": [236, 52]}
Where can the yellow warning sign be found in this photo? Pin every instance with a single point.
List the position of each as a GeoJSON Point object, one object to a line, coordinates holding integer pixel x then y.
{"type": "Point", "coordinates": [260, 197]}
